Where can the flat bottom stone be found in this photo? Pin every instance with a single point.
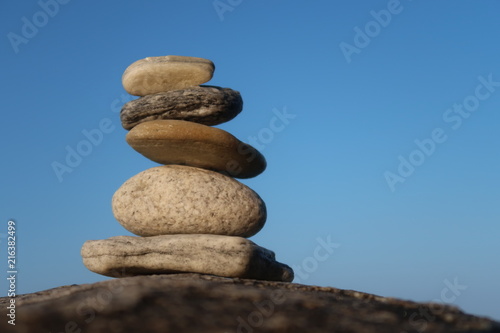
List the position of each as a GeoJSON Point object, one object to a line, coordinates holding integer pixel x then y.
{"type": "Point", "coordinates": [224, 256]}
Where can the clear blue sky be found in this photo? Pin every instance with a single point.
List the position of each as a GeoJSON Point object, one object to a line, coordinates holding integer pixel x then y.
{"type": "Point", "coordinates": [359, 88]}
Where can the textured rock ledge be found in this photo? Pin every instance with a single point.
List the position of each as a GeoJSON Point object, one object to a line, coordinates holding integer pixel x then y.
{"type": "Point", "coordinates": [204, 303]}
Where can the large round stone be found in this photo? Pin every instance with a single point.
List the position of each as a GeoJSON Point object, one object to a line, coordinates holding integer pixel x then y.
{"type": "Point", "coordinates": [187, 143]}
{"type": "Point", "coordinates": [156, 74]}
{"type": "Point", "coordinates": [174, 199]}
{"type": "Point", "coordinates": [208, 105]}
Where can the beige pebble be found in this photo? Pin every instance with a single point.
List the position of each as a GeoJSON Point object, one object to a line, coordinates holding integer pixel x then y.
{"type": "Point", "coordinates": [157, 74]}
{"type": "Point", "coordinates": [176, 199]}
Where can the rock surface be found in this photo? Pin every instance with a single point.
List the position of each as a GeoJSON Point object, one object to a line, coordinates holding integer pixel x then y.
{"type": "Point", "coordinates": [207, 254]}
{"type": "Point", "coordinates": [156, 74]}
{"type": "Point", "coordinates": [187, 143]}
{"type": "Point", "coordinates": [202, 303]}
{"type": "Point", "coordinates": [208, 105]}
{"type": "Point", "coordinates": [174, 199]}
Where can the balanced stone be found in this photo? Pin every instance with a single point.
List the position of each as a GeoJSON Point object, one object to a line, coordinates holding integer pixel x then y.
{"type": "Point", "coordinates": [206, 254]}
{"type": "Point", "coordinates": [156, 74]}
{"type": "Point", "coordinates": [208, 105]}
{"type": "Point", "coordinates": [174, 199]}
{"type": "Point", "coordinates": [187, 143]}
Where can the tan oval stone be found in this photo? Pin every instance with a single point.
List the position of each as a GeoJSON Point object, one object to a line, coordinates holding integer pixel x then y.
{"type": "Point", "coordinates": [174, 199]}
{"type": "Point", "coordinates": [157, 74]}
{"type": "Point", "coordinates": [187, 143]}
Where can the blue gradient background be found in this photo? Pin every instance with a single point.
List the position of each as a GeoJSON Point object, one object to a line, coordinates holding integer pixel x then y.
{"type": "Point", "coordinates": [325, 174]}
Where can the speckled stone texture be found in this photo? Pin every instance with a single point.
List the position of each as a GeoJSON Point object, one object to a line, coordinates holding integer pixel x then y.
{"type": "Point", "coordinates": [208, 105]}
{"type": "Point", "coordinates": [207, 254]}
{"type": "Point", "coordinates": [174, 199]}
{"type": "Point", "coordinates": [156, 74]}
{"type": "Point", "coordinates": [186, 143]}
{"type": "Point", "coordinates": [187, 303]}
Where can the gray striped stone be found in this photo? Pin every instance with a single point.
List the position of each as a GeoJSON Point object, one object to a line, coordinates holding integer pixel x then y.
{"type": "Point", "coordinates": [208, 105]}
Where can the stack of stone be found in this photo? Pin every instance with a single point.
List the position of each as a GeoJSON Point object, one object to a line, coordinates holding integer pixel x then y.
{"type": "Point", "coordinates": [191, 214]}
